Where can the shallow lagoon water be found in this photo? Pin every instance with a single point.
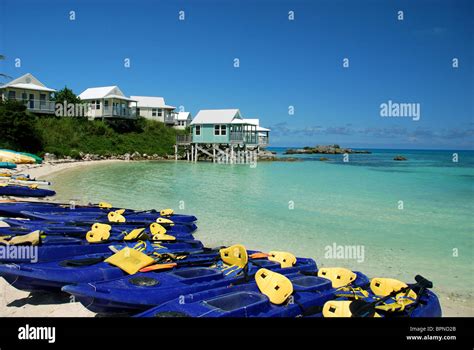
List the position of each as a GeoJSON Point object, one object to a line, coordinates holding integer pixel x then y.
{"type": "Point", "coordinates": [304, 207]}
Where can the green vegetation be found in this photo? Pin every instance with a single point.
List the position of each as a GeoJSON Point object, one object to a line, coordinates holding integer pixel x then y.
{"type": "Point", "coordinates": [17, 128]}
{"type": "Point", "coordinates": [65, 95]}
{"type": "Point", "coordinates": [68, 136]}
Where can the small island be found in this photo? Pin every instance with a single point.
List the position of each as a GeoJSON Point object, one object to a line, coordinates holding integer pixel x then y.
{"type": "Point", "coordinates": [321, 149]}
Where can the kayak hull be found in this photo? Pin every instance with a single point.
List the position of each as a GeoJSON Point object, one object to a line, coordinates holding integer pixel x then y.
{"type": "Point", "coordinates": [122, 296]}
{"type": "Point", "coordinates": [7, 165]}
{"type": "Point", "coordinates": [23, 191]}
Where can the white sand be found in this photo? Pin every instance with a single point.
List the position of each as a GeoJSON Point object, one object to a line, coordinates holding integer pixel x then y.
{"type": "Point", "coordinates": [38, 171]}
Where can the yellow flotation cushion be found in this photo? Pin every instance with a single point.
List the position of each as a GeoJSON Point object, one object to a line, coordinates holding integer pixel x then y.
{"type": "Point", "coordinates": [116, 216]}
{"type": "Point", "coordinates": [105, 205]}
{"type": "Point", "coordinates": [100, 227]}
{"type": "Point", "coordinates": [163, 237]}
{"type": "Point", "coordinates": [235, 255]}
{"type": "Point", "coordinates": [164, 221]}
{"type": "Point", "coordinates": [135, 234]}
{"type": "Point", "coordinates": [339, 276]}
{"type": "Point", "coordinates": [97, 236]}
{"type": "Point", "coordinates": [130, 260]}
{"type": "Point", "coordinates": [157, 229]}
{"type": "Point", "coordinates": [274, 285]}
{"type": "Point", "coordinates": [284, 258]}
{"type": "Point", "coordinates": [32, 238]}
{"type": "Point", "coordinates": [166, 212]}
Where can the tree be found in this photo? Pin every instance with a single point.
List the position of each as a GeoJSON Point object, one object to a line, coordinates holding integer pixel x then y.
{"type": "Point", "coordinates": [2, 75]}
{"type": "Point", "coordinates": [17, 127]}
{"type": "Point", "coordinates": [67, 95]}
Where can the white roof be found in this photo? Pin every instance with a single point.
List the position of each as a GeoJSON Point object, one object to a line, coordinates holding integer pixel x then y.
{"type": "Point", "coordinates": [259, 128]}
{"type": "Point", "coordinates": [103, 92]}
{"type": "Point", "coordinates": [151, 102]}
{"type": "Point", "coordinates": [183, 116]}
{"type": "Point", "coordinates": [27, 82]}
{"type": "Point", "coordinates": [217, 116]}
{"type": "Point", "coordinates": [254, 121]}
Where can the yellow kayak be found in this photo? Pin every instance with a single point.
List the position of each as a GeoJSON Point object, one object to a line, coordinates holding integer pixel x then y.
{"type": "Point", "coordinates": [17, 158]}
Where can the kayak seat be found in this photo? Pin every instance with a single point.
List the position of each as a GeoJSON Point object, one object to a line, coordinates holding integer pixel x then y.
{"type": "Point", "coordinates": [81, 262]}
{"type": "Point", "coordinates": [337, 275]}
{"type": "Point", "coordinates": [200, 274]}
{"type": "Point", "coordinates": [310, 283]}
{"type": "Point", "coordinates": [238, 300]}
{"type": "Point", "coordinates": [284, 258]}
{"type": "Point", "coordinates": [275, 286]}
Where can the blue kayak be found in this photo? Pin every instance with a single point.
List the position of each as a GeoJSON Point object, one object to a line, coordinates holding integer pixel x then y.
{"type": "Point", "coordinates": [141, 291]}
{"type": "Point", "coordinates": [25, 191]}
{"type": "Point", "coordinates": [115, 234]}
{"type": "Point", "coordinates": [7, 165]}
{"type": "Point", "coordinates": [91, 217]}
{"type": "Point", "coordinates": [57, 247]}
{"type": "Point", "coordinates": [309, 295]}
{"type": "Point", "coordinates": [15, 209]}
{"type": "Point", "coordinates": [42, 210]}
{"type": "Point", "coordinates": [80, 228]}
{"type": "Point", "coordinates": [52, 275]}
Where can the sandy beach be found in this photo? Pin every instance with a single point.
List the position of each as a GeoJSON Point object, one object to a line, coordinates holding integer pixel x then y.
{"type": "Point", "coordinates": [15, 303]}
{"type": "Point", "coordinates": [39, 171]}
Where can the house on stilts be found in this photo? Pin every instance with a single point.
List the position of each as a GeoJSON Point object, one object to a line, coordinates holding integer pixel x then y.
{"type": "Point", "coordinates": [223, 136]}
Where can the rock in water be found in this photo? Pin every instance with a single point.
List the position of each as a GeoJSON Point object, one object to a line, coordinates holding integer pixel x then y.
{"type": "Point", "coordinates": [399, 158]}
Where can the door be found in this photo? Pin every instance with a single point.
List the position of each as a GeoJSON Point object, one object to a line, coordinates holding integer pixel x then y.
{"type": "Point", "coordinates": [32, 101]}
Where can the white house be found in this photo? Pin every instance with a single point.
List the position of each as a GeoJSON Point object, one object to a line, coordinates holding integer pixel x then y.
{"type": "Point", "coordinates": [108, 102]}
{"type": "Point", "coordinates": [155, 108]}
{"type": "Point", "coordinates": [183, 119]}
{"type": "Point", "coordinates": [33, 93]}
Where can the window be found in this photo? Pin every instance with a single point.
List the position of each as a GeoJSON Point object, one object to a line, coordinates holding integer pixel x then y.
{"type": "Point", "coordinates": [12, 95]}
{"type": "Point", "coordinates": [42, 100]}
{"type": "Point", "coordinates": [160, 113]}
{"type": "Point", "coordinates": [198, 130]}
{"type": "Point", "coordinates": [24, 96]}
{"type": "Point", "coordinates": [153, 112]}
{"type": "Point", "coordinates": [97, 104]}
{"type": "Point", "coordinates": [106, 105]}
{"type": "Point", "coordinates": [220, 130]}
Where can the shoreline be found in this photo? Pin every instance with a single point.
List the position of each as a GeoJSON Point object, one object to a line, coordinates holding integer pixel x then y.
{"type": "Point", "coordinates": [48, 168]}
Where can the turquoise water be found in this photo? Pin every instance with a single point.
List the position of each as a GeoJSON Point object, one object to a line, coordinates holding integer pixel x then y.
{"type": "Point", "coordinates": [303, 207]}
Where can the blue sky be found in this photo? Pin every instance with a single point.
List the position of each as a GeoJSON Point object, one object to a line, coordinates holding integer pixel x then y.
{"type": "Point", "coordinates": [282, 63]}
